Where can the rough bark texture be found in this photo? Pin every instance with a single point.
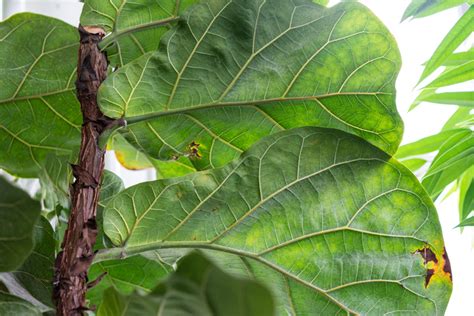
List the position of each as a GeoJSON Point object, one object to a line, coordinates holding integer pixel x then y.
{"type": "Point", "coordinates": [72, 263]}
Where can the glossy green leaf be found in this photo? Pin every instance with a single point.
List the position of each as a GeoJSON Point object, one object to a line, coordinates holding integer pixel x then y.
{"type": "Point", "coordinates": [128, 275]}
{"type": "Point", "coordinates": [423, 8]}
{"type": "Point", "coordinates": [19, 214]}
{"type": "Point", "coordinates": [276, 207]}
{"type": "Point", "coordinates": [36, 273]}
{"type": "Point", "coordinates": [133, 27]}
{"type": "Point", "coordinates": [11, 305]}
{"type": "Point", "coordinates": [428, 144]}
{"type": "Point", "coordinates": [39, 113]}
{"type": "Point", "coordinates": [196, 288]}
{"type": "Point", "coordinates": [454, 157]}
{"type": "Point", "coordinates": [461, 73]}
{"type": "Point", "coordinates": [232, 72]}
{"type": "Point", "coordinates": [456, 36]}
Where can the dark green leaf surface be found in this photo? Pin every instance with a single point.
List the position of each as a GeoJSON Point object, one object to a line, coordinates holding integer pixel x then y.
{"type": "Point", "coordinates": [128, 275]}
{"type": "Point", "coordinates": [196, 288]}
{"type": "Point", "coordinates": [276, 207]}
{"type": "Point", "coordinates": [14, 306]}
{"type": "Point", "coordinates": [36, 273]}
{"type": "Point", "coordinates": [39, 113]}
{"type": "Point", "coordinates": [19, 214]}
{"type": "Point", "coordinates": [134, 27]}
{"type": "Point", "coordinates": [232, 72]}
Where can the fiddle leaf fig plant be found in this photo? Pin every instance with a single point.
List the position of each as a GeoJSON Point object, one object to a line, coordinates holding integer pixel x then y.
{"type": "Point", "coordinates": [271, 125]}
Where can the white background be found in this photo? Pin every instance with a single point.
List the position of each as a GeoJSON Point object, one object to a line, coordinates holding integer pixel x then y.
{"type": "Point", "coordinates": [417, 40]}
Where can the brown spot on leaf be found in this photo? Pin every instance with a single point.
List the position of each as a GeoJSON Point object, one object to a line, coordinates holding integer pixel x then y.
{"type": "Point", "coordinates": [428, 255]}
{"type": "Point", "coordinates": [194, 150]}
{"type": "Point", "coordinates": [435, 267]}
{"type": "Point", "coordinates": [447, 264]}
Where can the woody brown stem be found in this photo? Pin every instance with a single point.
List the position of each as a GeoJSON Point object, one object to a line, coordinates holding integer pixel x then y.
{"type": "Point", "coordinates": [72, 263]}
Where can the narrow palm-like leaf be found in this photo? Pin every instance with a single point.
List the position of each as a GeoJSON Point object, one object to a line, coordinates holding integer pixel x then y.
{"type": "Point", "coordinates": [428, 144]}
{"type": "Point", "coordinates": [455, 75]}
{"type": "Point", "coordinates": [423, 8]}
{"type": "Point", "coordinates": [232, 72]}
{"type": "Point", "coordinates": [466, 194]}
{"type": "Point", "coordinates": [462, 118]}
{"type": "Point", "coordinates": [467, 222]}
{"type": "Point", "coordinates": [458, 34]}
{"type": "Point", "coordinates": [454, 157]}
{"type": "Point", "coordinates": [276, 207]}
{"type": "Point", "coordinates": [453, 98]}
{"type": "Point", "coordinates": [457, 59]}
{"type": "Point", "coordinates": [414, 163]}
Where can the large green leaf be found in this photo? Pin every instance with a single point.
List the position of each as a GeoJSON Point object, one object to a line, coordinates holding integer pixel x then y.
{"type": "Point", "coordinates": [18, 213]}
{"type": "Point", "coordinates": [36, 273]}
{"type": "Point", "coordinates": [196, 288]}
{"type": "Point", "coordinates": [39, 113]}
{"type": "Point", "coordinates": [456, 36]}
{"type": "Point", "coordinates": [134, 27]}
{"type": "Point", "coordinates": [339, 220]}
{"type": "Point", "coordinates": [232, 72]}
{"type": "Point", "coordinates": [11, 305]}
{"type": "Point", "coordinates": [125, 276]}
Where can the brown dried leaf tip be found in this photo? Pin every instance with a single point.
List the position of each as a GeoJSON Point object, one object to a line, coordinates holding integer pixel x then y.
{"type": "Point", "coordinates": [435, 267]}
